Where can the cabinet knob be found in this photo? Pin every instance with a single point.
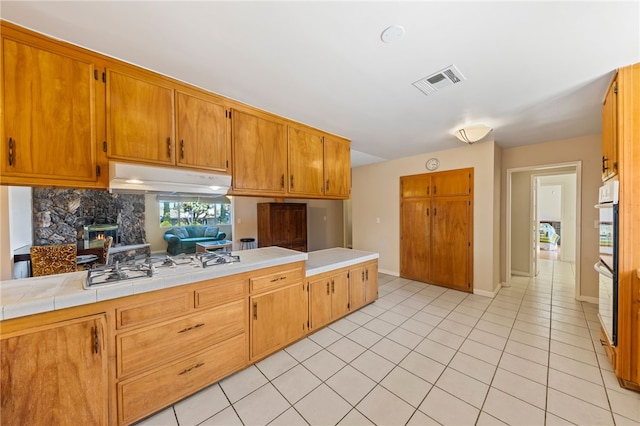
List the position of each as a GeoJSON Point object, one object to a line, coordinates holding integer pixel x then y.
{"type": "Point", "coordinates": [169, 147]}
{"type": "Point", "coordinates": [11, 151]}
{"type": "Point", "coordinates": [182, 148]}
{"type": "Point", "coordinates": [327, 288]}
{"type": "Point", "coordinates": [291, 181]}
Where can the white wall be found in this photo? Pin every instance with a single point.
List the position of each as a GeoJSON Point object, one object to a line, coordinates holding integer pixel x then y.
{"type": "Point", "coordinates": [565, 211]}
{"type": "Point", "coordinates": [521, 223]}
{"type": "Point", "coordinates": [376, 195]}
{"type": "Point", "coordinates": [549, 202]}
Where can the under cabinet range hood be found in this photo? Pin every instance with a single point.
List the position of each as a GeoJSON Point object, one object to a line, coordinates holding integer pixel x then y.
{"type": "Point", "coordinates": [136, 178]}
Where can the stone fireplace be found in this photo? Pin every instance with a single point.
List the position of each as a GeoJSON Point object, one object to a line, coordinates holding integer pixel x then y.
{"type": "Point", "coordinates": [64, 216]}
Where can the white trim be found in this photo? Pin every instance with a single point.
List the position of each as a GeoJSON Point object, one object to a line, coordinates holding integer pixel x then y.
{"type": "Point", "coordinates": [520, 274]}
{"type": "Point", "coordinates": [486, 293]}
{"type": "Point", "coordinates": [588, 299]}
{"type": "Point", "coordinates": [388, 272]}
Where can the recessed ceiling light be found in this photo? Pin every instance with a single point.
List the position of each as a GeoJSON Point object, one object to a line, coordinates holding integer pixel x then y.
{"type": "Point", "coordinates": [393, 33]}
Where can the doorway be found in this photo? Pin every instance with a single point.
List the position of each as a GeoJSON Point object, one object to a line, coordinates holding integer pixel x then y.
{"type": "Point", "coordinates": [542, 219]}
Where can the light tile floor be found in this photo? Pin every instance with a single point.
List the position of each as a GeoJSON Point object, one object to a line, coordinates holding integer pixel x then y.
{"type": "Point", "coordinates": [426, 355]}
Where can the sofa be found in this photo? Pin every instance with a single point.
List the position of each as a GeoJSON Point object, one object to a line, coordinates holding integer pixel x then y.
{"type": "Point", "coordinates": [183, 239]}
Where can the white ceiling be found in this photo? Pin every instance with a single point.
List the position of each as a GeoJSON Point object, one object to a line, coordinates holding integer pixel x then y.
{"type": "Point", "coordinates": [535, 71]}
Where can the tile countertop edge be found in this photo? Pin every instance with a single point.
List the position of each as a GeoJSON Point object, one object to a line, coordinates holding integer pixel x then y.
{"type": "Point", "coordinates": [322, 261]}
{"type": "Point", "coordinates": [23, 305]}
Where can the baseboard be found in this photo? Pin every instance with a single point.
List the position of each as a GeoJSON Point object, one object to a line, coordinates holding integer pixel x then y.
{"type": "Point", "coordinates": [387, 272]}
{"type": "Point", "coordinates": [486, 293]}
{"type": "Point", "coordinates": [520, 273]}
{"type": "Point", "coordinates": [588, 299]}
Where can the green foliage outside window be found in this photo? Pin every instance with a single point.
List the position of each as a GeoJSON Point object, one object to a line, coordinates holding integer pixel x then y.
{"type": "Point", "coordinates": [183, 213]}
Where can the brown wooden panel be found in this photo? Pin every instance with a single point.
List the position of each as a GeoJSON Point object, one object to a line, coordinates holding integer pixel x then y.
{"type": "Point", "coordinates": [279, 279]}
{"type": "Point", "coordinates": [610, 132]}
{"type": "Point", "coordinates": [202, 133]}
{"type": "Point", "coordinates": [144, 348]}
{"type": "Point", "coordinates": [54, 376]}
{"type": "Point", "coordinates": [306, 154]}
{"type": "Point", "coordinates": [371, 285]}
{"type": "Point", "coordinates": [415, 185]}
{"type": "Point", "coordinates": [132, 104]}
{"type": "Point", "coordinates": [146, 394]}
{"type": "Point", "coordinates": [415, 238]}
{"type": "Point", "coordinates": [339, 295]}
{"type": "Point", "coordinates": [450, 243]}
{"type": "Point", "coordinates": [356, 288]}
{"type": "Point", "coordinates": [48, 114]}
{"type": "Point", "coordinates": [259, 153]}
{"type": "Point", "coordinates": [156, 310]}
{"type": "Point", "coordinates": [319, 303]}
{"type": "Point", "coordinates": [337, 167]}
{"type": "Point", "coordinates": [221, 292]}
{"type": "Point", "coordinates": [452, 182]}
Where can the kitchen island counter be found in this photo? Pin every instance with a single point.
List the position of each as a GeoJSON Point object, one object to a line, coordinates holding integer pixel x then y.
{"type": "Point", "coordinates": [35, 295]}
{"type": "Point", "coordinates": [322, 261]}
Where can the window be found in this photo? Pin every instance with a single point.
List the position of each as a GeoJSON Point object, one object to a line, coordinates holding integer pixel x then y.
{"type": "Point", "coordinates": [183, 211]}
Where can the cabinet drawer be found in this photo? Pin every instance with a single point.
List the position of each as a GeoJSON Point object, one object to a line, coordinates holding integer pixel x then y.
{"type": "Point", "coordinates": [156, 310]}
{"type": "Point", "coordinates": [144, 395]}
{"type": "Point", "coordinates": [145, 348]}
{"type": "Point", "coordinates": [221, 292]}
{"type": "Point", "coordinates": [279, 279]}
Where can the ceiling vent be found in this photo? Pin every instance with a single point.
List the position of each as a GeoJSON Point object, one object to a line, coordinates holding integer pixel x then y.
{"type": "Point", "coordinates": [436, 81]}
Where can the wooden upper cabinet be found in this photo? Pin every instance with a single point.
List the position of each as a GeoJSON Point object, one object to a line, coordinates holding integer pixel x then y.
{"type": "Point", "coordinates": [305, 162]}
{"type": "Point", "coordinates": [337, 167]}
{"type": "Point", "coordinates": [259, 145]}
{"type": "Point", "coordinates": [203, 140]}
{"type": "Point", "coordinates": [415, 186]}
{"type": "Point", "coordinates": [452, 182]}
{"type": "Point", "coordinates": [49, 122]}
{"type": "Point", "coordinates": [140, 119]}
{"type": "Point", "coordinates": [610, 132]}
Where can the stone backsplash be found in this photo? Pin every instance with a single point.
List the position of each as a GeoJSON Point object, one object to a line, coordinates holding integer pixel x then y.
{"type": "Point", "coordinates": [60, 214]}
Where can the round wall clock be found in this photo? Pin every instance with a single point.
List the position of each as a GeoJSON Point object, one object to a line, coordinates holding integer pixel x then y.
{"type": "Point", "coordinates": [432, 164]}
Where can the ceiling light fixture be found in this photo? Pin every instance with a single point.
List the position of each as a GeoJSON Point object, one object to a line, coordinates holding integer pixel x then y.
{"type": "Point", "coordinates": [393, 33]}
{"type": "Point", "coordinates": [472, 134]}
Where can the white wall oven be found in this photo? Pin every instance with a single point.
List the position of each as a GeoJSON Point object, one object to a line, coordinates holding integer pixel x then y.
{"type": "Point", "coordinates": [607, 266]}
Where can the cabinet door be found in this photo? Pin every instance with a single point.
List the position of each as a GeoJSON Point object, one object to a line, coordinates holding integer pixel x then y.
{"type": "Point", "coordinates": [319, 303]}
{"type": "Point", "coordinates": [356, 288]}
{"type": "Point", "coordinates": [415, 186]}
{"type": "Point", "coordinates": [371, 284]}
{"type": "Point", "coordinates": [139, 119]}
{"type": "Point", "coordinates": [259, 154]}
{"type": "Point", "coordinates": [277, 319]}
{"type": "Point", "coordinates": [297, 226]}
{"type": "Point", "coordinates": [202, 133]}
{"type": "Point", "coordinates": [280, 223]}
{"type": "Point", "coordinates": [415, 238]}
{"type": "Point", "coordinates": [339, 295]}
{"type": "Point", "coordinates": [56, 375]}
{"type": "Point", "coordinates": [610, 132]}
{"type": "Point", "coordinates": [305, 162]}
{"type": "Point", "coordinates": [450, 249]}
{"type": "Point", "coordinates": [337, 167]}
{"type": "Point", "coordinates": [453, 182]}
{"type": "Point", "coordinates": [49, 121]}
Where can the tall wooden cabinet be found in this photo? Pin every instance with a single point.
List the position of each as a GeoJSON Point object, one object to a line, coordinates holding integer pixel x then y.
{"type": "Point", "coordinates": [52, 101]}
{"type": "Point", "coordinates": [436, 228]}
{"type": "Point", "coordinates": [626, 356]}
{"type": "Point", "coordinates": [610, 131]}
{"type": "Point", "coordinates": [56, 374]}
{"type": "Point", "coordinates": [282, 225]}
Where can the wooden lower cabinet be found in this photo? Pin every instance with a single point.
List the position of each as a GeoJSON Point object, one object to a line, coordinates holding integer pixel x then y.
{"type": "Point", "coordinates": [56, 374]}
{"type": "Point", "coordinates": [278, 318]}
{"type": "Point", "coordinates": [371, 282]}
{"type": "Point", "coordinates": [145, 394]}
{"type": "Point", "coordinates": [328, 299]}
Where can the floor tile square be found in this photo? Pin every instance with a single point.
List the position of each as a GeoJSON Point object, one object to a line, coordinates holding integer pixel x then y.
{"type": "Point", "coordinates": [539, 356]}
{"type": "Point", "coordinates": [296, 383]}
{"type": "Point", "coordinates": [512, 410]}
{"type": "Point", "coordinates": [384, 408]}
{"type": "Point", "coordinates": [372, 365]}
{"type": "Point", "coordinates": [421, 419]}
{"type": "Point", "coordinates": [390, 350]}
{"type": "Point", "coordinates": [355, 418]}
{"type": "Point", "coordinates": [423, 367]}
{"type": "Point", "coordinates": [575, 368]}
{"type": "Point", "coordinates": [493, 328]}
{"type": "Point", "coordinates": [325, 337]}
{"type": "Point", "coordinates": [576, 410]}
{"type": "Point", "coordinates": [276, 364]}
{"type": "Point", "coordinates": [343, 326]}
{"type": "Point", "coordinates": [480, 351]}
{"type": "Point", "coordinates": [404, 337]}
{"type": "Point", "coordinates": [520, 387]}
{"type": "Point", "coordinates": [462, 386]}
{"type": "Point", "coordinates": [524, 367]}
{"type": "Point", "coordinates": [404, 310]}
{"type": "Point", "coordinates": [446, 338]}
{"type": "Point", "coordinates": [392, 318]}
{"type": "Point", "coordinates": [351, 384]}
{"type": "Point", "coordinates": [625, 403]}
{"type": "Point", "coordinates": [200, 406]}
{"type": "Point", "coordinates": [166, 417]}
{"type": "Point", "coordinates": [373, 310]}
{"type": "Point", "coordinates": [436, 351]}
{"type": "Point", "coordinates": [324, 364]}
{"type": "Point", "coordinates": [436, 310]}
{"type": "Point", "coordinates": [428, 318]}
{"type": "Point", "coordinates": [411, 388]}
{"type": "Point", "coordinates": [289, 418]}
{"type": "Point", "coordinates": [346, 349]}
{"type": "Point", "coordinates": [242, 383]}
{"type": "Point", "coordinates": [488, 339]}
{"type": "Point", "coordinates": [364, 337]}
{"type": "Point", "coordinates": [579, 388]}
{"type": "Point", "coordinates": [473, 367]}
{"type": "Point", "coordinates": [359, 318]}
{"type": "Point", "coordinates": [420, 328]}
{"type": "Point", "coordinates": [447, 409]}
{"type": "Point", "coordinates": [303, 349]}
{"type": "Point", "coordinates": [454, 327]}
{"type": "Point", "coordinates": [261, 406]}
{"type": "Point", "coordinates": [323, 407]}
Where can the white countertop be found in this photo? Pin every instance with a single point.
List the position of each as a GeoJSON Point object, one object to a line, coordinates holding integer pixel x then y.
{"type": "Point", "coordinates": [29, 296]}
{"type": "Point", "coordinates": [335, 258]}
